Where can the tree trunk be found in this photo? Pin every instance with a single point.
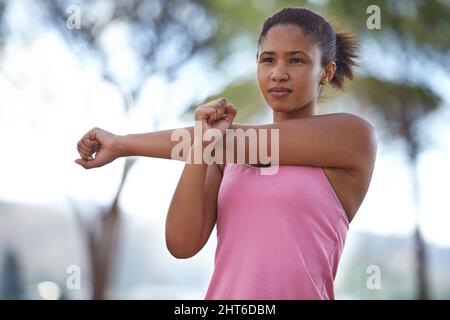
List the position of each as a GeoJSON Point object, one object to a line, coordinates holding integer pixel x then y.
{"type": "Point", "coordinates": [104, 251]}
{"type": "Point", "coordinates": [419, 243]}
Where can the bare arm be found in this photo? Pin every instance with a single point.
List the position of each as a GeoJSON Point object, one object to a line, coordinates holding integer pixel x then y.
{"type": "Point", "coordinates": [108, 146]}
{"type": "Point", "coordinates": [332, 140]}
{"type": "Point", "coordinates": [155, 144]}
{"type": "Point", "coordinates": [186, 216]}
{"type": "Point", "coordinates": [339, 140]}
{"type": "Point", "coordinates": [336, 140]}
{"type": "Point", "coordinates": [192, 211]}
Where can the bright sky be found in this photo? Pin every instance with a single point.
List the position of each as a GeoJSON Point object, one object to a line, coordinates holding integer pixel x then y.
{"type": "Point", "coordinates": [56, 99]}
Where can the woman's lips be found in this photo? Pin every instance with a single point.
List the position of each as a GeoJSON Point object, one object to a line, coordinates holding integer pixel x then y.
{"type": "Point", "coordinates": [279, 92]}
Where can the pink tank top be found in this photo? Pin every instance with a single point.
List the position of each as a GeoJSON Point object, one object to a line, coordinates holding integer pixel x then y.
{"type": "Point", "coordinates": [278, 236]}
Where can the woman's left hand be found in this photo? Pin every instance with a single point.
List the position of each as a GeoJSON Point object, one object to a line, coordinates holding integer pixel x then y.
{"type": "Point", "coordinates": [217, 114]}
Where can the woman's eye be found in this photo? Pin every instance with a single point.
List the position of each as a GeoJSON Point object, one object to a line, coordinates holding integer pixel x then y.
{"type": "Point", "coordinates": [294, 60]}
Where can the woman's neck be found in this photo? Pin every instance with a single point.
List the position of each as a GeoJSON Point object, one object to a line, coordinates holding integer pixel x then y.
{"type": "Point", "coordinates": [307, 110]}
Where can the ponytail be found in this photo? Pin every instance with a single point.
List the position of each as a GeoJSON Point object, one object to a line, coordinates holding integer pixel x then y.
{"type": "Point", "coordinates": [346, 53]}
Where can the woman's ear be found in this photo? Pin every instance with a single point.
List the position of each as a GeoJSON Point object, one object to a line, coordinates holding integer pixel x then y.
{"type": "Point", "coordinates": [328, 73]}
{"type": "Point", "coordinates": [330, 70]}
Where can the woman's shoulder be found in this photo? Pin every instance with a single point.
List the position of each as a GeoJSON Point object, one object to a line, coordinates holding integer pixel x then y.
{"type": "Point", "coordinates": [350, 117]}
{"type": "Point", "coordinates": [361, 129]}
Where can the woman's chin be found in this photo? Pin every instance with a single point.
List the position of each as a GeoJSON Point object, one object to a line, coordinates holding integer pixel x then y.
{"type": "Point", "coordinates": [279, 107]}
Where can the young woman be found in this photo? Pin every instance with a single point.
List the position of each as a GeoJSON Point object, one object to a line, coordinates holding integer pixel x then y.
{"type": "Point", "coordinates": [280, 236]}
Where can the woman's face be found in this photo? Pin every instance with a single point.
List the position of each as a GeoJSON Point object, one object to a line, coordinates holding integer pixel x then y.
{"type": "Point", "coordinates": [289, 69]}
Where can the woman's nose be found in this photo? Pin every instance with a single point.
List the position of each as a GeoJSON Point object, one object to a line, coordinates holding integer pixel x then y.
{"type": "Point", "coordinates": [279, 75]}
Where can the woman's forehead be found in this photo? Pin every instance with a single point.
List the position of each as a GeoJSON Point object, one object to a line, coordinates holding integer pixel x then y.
{"type": "Point", "coordinates": [287, 38]}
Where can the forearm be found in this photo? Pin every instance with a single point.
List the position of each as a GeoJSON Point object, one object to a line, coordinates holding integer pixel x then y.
{"type": "Point", "coordinates": [185, 218]}
{"type": "Point", "coordinates": [157, 144]}
{"type": "Point", "coordinates": [161, 144]}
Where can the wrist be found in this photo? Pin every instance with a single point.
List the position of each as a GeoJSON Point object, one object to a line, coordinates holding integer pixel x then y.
{"type": "Point", "coordinates": [121, 145]}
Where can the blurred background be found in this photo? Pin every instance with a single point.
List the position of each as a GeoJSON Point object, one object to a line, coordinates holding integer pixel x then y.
{"type": "Point", "coordinates": [140, 66]}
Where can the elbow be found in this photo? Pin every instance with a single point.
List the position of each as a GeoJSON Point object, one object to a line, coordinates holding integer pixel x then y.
{"type": "Point", "coordinates": [179, 250]}
{"type": "Point", "coordinates": [370, 143]}
{"type": "Point", "coordinates": [181, 254]}
{"type": "Point", "coordinates": [181, 241]}
{"type": "Point", "coordinates": [365, 140]}
{"type": "Point", "coordinates": [366, 156]}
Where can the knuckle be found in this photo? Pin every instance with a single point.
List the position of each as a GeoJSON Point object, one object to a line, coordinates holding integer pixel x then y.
{"type": "Point", "coordinates": [199, 109]}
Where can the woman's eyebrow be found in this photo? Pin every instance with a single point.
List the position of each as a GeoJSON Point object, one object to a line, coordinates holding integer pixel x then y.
{"type": "Point", "coordinates": [298, 51]}
{"type": "Point", "coordinates": [287, 53]}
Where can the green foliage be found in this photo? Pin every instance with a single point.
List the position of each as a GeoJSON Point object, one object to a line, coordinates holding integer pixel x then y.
{"type": "Point", "coordinates": [402, 106]}
{"type": "Point", "coordinates": [241, 17]}
{"type": "Point", "coordinates": [244, 95]}
{"type": "Point", "coordinates": [418, 28]}
{"type": "Point", "coordinates": [424, 23]}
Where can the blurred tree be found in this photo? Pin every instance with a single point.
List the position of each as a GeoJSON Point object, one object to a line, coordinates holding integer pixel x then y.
{"type": "Point", "coordinates": [413, 33]}
{"type": "Point", "coordinates": [12, 282]}
{"type": "Point", "coordinates": [160, 37]}
{"type": "Point", "coordinates": [2, 32]}
{"type": "Point", "coordinates": [102, 239]}
{"type": "Point", "coordinates": [403, 107]}
{"type": "Point", "coordinates": [419, 29]}
{"type": "Point", "coordinates": [166, 34]}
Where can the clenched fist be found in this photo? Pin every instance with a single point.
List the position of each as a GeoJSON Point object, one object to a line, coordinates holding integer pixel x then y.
{"type": "Point", "coordinates": [217, 114]}
{"type": "Point", "coordinates": [99, 142]}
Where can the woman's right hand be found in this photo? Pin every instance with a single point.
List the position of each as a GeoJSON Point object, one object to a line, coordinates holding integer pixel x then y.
{"type": "Point", "coordinates": [100, 142]}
